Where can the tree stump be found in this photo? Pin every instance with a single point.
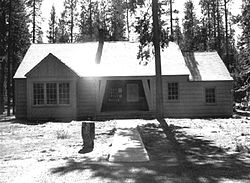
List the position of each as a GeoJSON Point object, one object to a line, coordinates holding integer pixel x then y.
{"type": "Point", "coordinates": [88, 135]}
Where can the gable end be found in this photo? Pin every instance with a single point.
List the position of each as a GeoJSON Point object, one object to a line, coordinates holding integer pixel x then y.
{"type": "Point", "coordinates": [51, 66]}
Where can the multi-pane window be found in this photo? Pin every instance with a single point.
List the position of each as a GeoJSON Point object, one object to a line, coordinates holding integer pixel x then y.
{"type": "Point", "coordinates": [173, 93]}
{"type": "Point", "coordinates": [38, 97]}
{"type": "Point", "coordinates": [51, 93]}
{"type": "Point", "coordinates": [210, 95]}
{"type": "Point", "coordinates": [63, 93]}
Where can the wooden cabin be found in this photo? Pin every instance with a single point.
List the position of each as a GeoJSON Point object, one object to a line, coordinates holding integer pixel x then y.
{"type": "Point", "coordinates": [65, 82]}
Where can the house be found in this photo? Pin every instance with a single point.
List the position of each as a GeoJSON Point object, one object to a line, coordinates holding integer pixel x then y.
{"type": "Point", "coordinates": [75, 81]}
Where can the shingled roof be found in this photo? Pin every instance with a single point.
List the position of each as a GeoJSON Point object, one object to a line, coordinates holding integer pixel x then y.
{"type": "Point", "coordinates": [206, 66]}
{"type": "Point", "coordinates": [120, 59]}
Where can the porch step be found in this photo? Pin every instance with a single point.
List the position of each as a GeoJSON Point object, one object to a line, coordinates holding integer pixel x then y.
{"type": "Point", "coordinates": [127, 144]}
{"type": "Point", "coordinates": [125, 115]}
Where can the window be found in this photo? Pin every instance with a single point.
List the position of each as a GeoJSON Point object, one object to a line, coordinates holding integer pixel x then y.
{"type": "Point", "coordinates": [173, 91]}
{"type": "Point", "coordinates": [38, 97]}
{"type": "Point", "coordinates": [210, 95]}
{"type": "Point", "coordinates": [132, 92]}
{"type": "Point", "coordinates": [51, 93]}
{"type": "Point", "coordinates": [63, 93]}
{"type": "Point", "coordinates": [115, 95]}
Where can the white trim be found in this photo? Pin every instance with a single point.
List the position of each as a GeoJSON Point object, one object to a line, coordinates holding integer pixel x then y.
{"type": "Point", "coordinates": [101, 91]}
{"type": "Point", "coordinates": [148, 94]}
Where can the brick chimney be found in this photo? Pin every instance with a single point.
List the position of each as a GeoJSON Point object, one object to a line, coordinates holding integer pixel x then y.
{"type": "Point", "coordinates": [100, 47]}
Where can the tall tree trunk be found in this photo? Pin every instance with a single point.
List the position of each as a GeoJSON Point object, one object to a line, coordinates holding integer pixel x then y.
{"type": "Point", "coordinates": [226, 32]}
{"type": "Point", "coordinates": [9, 61]}
{"type": "Point", "coordinates": [2, 79]}
{"type": "Point", "coordinates": [156, 41]}
{"type": "Point", "coordinates": [214, 26]}
{"type": "Point", "coordinates": [13, 70]}
{"type": "Point", "coordinates": [72, 22]}
{"type": "Point", "coordinates": [127, 12]}
{"type": "Point", "coordinates": [218, 28]}
{"type": "Point", "coordinates": [34, 22]}
{"type": "Point", "coordinates": [209, 22]}
{"type": "Point", "coordinates": [90, 21]}
{"type": "Point", "coordinates": [171, 21]}
{"type": "Point", "coordinates": [3, 60]}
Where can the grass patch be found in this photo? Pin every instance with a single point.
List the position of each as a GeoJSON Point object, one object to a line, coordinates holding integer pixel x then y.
{"type": "Point", "coordinates": [242, 148]}
{"type": "Point", "coordinates": [62, 134]}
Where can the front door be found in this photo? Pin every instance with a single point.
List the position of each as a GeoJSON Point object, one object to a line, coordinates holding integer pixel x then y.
{"type": "Point", "coordinates": [124, 95]}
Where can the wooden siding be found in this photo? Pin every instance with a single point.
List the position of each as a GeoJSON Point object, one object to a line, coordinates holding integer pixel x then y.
{"type": "Point", "coordinates": [87, 97]}
{"type": "Point", "coordinates": [51, 68]}
{"type": "Point", "coordinates": [191, 102]}
{"type": "Point", "coordinates": [21, 98]}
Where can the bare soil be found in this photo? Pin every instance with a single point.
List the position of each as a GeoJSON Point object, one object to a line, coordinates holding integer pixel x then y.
{"type": "Point", "coordinates": [196, 150]}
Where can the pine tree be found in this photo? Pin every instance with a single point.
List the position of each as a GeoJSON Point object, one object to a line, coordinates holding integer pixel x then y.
{"type": "Point", "coordinates": [34, 7]}
{"type": "Point", "coordinates": [52, 26]}
{"type": "Point", "coordinates": [70, 16]}
{"type": "Point", "coordinates": [117, 28]}
{"type": "Point", "coordinates": [189, 27]}
{"type": "Point", "coordinates": [88, 21]}
{"type": "Point", "coordinates": [63, 36]}
{"type": "Point", "coordinates": [3, 49]}
{"type": "Point", "coordinates": [14, 35]}
{"type": "Point", "coordinates": [243, 65]}
{"type": "Point", "coordinates": [177, 35]}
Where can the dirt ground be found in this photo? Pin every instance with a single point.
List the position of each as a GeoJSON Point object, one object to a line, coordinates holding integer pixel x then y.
{"type": "Point", "coordinates": [198, 150]}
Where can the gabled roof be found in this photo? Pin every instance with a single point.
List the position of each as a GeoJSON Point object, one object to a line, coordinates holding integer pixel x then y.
{"type": "Point", "coordinates": [120, 59]}
{"type": "Point", "coordinates": [50, 58]}
{"type": "Point", "coordinates": [206, 66]}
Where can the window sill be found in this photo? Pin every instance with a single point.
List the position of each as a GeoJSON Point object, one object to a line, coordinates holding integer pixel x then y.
{"type": "Point", "coordinates": [51, 105]}
{"type": "Point", "coordinates": [210, 104]}
{"type": "Point", "coordinates": [173, 101]}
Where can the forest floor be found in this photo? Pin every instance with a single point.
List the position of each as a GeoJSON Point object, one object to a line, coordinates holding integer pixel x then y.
{"type": "Point", "coordinates": [201, 150]}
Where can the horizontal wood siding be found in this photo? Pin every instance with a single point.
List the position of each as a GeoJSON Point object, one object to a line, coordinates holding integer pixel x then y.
{"type": "Point", "coordinates": [52, 69]}
{"type": "Point", "coordinates": [191, 101]}
{"type": "Point", "coordinates": [87, 97]}
{"type": "Point", "coordinates": [21, 98]}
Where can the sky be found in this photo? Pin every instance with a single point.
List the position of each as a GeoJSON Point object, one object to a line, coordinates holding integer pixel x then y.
{"type": "Point", "coordinates": [235, 8]}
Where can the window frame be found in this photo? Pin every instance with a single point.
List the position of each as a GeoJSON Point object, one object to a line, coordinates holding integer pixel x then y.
{"type": "Point", "coordinates": [172, 99]}
{"type": "Point", "coordinates": [205, 96]}
{"type": "Point", "coordinates": [45, 90]}
{"type": "Point", "coordinates": [33, 96]}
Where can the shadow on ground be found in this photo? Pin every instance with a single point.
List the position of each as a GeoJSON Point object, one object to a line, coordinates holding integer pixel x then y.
{"type": "Point", "coordinates": [174, 157]}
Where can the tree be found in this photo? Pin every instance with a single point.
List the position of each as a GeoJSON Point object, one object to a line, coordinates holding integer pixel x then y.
{"type": "Point", "coordinates": [70, 16]}
{"type": "Point", "coordinates": [156, 42]}
{"type": "Point", "coordinates": [190, 24]}
{"type": "Point", "coordinates": [177, 35]}
{"type": "Point", "coordinates": [152, 31]}
{"type": "Point", "coordinates": [14, 43]}
{"type": "Point", "coordinates": [243, 65]}
{"type": "Point", "coordinates": [117, 27]}
{"type": "Point", "coordinates": [20, 40]}
{"type": "Point", "coordinates": [34, 7]}
{"type": "Point", "coordinates": [52, 26]}
{"type": "Point", "coordinates": [3, 49]}
{"type": "Point", "coordinates": [63, 36]}
{"type": "Point", "coordinates": [88, 21]}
